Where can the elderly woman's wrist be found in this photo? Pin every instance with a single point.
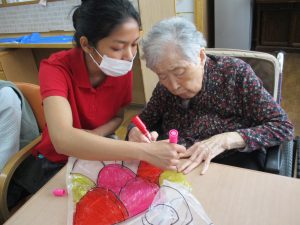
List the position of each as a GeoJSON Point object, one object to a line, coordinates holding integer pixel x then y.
{"type": "Point", "coordinates": [234, 140]}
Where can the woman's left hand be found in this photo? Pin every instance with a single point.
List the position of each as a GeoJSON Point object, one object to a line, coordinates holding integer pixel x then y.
{"type": "Point", "coordinates": [208, 149]}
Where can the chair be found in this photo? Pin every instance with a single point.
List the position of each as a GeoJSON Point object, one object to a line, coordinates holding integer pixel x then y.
{"type": "Point", "coordinates": [279, 159]}
{"type": "Point", "coordinates": [32, 94]}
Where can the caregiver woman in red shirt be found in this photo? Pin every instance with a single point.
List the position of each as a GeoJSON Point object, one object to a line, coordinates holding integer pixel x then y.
{"type": "Point", "coordinates": [84, 91]}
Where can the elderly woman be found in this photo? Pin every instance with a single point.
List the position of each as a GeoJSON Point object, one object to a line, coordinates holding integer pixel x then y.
{"type": "Point", "coordinates": [218, 104]}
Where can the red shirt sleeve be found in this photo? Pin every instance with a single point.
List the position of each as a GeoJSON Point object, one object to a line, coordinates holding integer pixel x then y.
{"type": "Point", "coordinates": [52, 80]}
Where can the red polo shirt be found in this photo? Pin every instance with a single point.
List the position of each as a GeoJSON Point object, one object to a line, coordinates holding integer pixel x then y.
{"type": "Point", "coordinates": [65, 74]}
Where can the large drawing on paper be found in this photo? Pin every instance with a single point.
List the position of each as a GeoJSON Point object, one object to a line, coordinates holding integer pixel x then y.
{"type": "Point", "coordinates": [112, 192]}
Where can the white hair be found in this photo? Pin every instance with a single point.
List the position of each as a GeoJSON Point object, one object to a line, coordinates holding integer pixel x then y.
{"type": "Point", "coordinates": [175, 33]}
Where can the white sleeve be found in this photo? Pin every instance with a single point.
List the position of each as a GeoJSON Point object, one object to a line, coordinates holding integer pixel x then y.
{"type": "Point", "coordinates": [10, 124]}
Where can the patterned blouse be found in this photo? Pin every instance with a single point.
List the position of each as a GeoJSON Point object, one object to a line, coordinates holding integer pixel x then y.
{"type": "Point", "coordinates": [232, 98]}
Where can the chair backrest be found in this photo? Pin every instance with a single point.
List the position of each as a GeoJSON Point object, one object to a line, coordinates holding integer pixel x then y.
{"type": "Point", "coordinates": [32, 94]}
{"type": "Point", "coordinates": [265, 65]}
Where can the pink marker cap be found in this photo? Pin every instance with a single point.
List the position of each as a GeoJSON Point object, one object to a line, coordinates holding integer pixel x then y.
{"type": "Point", "coordinates": [59, 192]}
{"type": "Point", "coordinates": [173, 136]}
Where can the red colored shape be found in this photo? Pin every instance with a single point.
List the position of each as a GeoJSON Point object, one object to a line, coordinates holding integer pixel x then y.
{"type": "Point", "coordinates": [114, 177]}
{"type": "Point", "coordinates": [138, 195]}
{"type": "Point", "coordinates": [99, 206]}
{"type": "Point", "coordinates": [149, 172]}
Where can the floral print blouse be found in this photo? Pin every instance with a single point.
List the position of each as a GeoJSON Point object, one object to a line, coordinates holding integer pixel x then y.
{"type": "Point", "coordinates": [232, 98]}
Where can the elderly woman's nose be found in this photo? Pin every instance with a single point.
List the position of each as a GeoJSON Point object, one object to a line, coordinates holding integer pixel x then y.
{"type": "Point", "coordinates": [173, 85]}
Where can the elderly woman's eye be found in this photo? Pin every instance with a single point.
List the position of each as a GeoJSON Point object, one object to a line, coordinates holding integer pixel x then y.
{"type": "Point", "coordinates": [179, 74]}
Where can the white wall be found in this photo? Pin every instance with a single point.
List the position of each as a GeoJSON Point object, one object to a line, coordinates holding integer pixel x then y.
{"type": "Point", "coordinates": [37, 18]}
{"type": "Point", "coordinates": [185, 8]}
{"type": "Point", "coordinates": [233, 24]}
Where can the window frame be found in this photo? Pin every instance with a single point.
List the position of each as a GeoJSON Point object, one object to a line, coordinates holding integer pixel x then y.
{"type": "Point", "coordinates": [6, 4]}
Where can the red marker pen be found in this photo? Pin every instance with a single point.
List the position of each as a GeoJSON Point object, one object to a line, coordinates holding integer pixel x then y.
{"type": "Point", "coordinates": [173, 136]}
{"type": "Point", "coordinates": [141, 126]}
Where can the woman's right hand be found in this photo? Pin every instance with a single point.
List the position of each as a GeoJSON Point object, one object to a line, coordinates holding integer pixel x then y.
{"type": "Point", "coordinates": [136, 135]}
{"type": "Point", "coordinates": [164, 154]}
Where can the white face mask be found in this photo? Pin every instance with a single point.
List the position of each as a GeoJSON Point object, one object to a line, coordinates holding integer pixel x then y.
{"type": "Point", "coordinates": [113, 67]}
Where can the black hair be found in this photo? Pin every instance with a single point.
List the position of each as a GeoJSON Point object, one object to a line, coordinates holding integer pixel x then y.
{"type": "Point", "coordinates": [96, 19]}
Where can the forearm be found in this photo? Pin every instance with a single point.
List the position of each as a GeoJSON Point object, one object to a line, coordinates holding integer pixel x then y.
{"type": "Point", "coordinates": [227, 140]}
{"type": "Point", "coordinates": [80, 144]}
{"type": "Point", "coordinates": [108, 128]}
{"type": "Point", "coordinates": [233, 140]}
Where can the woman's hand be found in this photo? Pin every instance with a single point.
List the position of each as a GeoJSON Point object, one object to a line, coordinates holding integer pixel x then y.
{"type": "Point", "coordinates": [164, 155]}
{"type": "Point", "coordinates": [136, 135]}
{"type": "Point", "coordinates": [208, 149]}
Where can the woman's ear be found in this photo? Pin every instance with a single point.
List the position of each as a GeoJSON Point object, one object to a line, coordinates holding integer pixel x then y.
{"type": "Point", "coordinates": [84, 43]}
{"type": "Point", "coordinates": [202, 56]}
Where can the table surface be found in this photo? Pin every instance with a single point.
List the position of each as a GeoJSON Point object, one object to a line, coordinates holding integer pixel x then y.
{"type": "Point", "coordinates": [229, 195]}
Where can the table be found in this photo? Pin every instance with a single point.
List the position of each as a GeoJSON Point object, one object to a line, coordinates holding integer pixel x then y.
{"type": "Point", "coordinates": [229, 195]}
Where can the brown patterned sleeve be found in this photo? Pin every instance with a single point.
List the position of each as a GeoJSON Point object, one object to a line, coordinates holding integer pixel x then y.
{"type": "Point", "coordinates": [269, 122]}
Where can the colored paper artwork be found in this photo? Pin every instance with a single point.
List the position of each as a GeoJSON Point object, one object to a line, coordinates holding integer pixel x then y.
{"type": "Point", "coordinates": [112, 192]}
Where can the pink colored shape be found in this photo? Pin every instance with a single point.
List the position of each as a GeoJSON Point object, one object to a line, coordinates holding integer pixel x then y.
{"type": "Point", "coordinates": [138, 195]}
{"type": "Point", "coordinates": [114, 177]}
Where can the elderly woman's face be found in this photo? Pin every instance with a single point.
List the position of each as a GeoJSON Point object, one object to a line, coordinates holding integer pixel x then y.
{"type": "Point", "coordinates": [182, 78]}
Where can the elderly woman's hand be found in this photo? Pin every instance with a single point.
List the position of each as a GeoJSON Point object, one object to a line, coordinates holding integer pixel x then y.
{"type": "Point", "coordinates": [136, 135]}
{"type": "Point", "coordinates": [208, 149]}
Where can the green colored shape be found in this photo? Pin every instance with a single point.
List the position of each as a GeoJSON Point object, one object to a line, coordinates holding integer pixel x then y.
{"type": "Point", "coordinates": [80, 186]}
{"type": "Point", "coordinates": [175, 177]}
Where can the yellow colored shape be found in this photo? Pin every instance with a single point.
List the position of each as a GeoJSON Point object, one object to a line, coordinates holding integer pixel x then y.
{"type": "Point", "coordinates": [80, 186]}
{"type": "Point", "coordinates": [175, 177]}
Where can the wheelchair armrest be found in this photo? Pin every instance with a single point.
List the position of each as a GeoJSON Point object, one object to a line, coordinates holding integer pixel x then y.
{"type": "Point", "coordinates": [272, 163]}
{"type": "Point", "coordinates": [279, 159]}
